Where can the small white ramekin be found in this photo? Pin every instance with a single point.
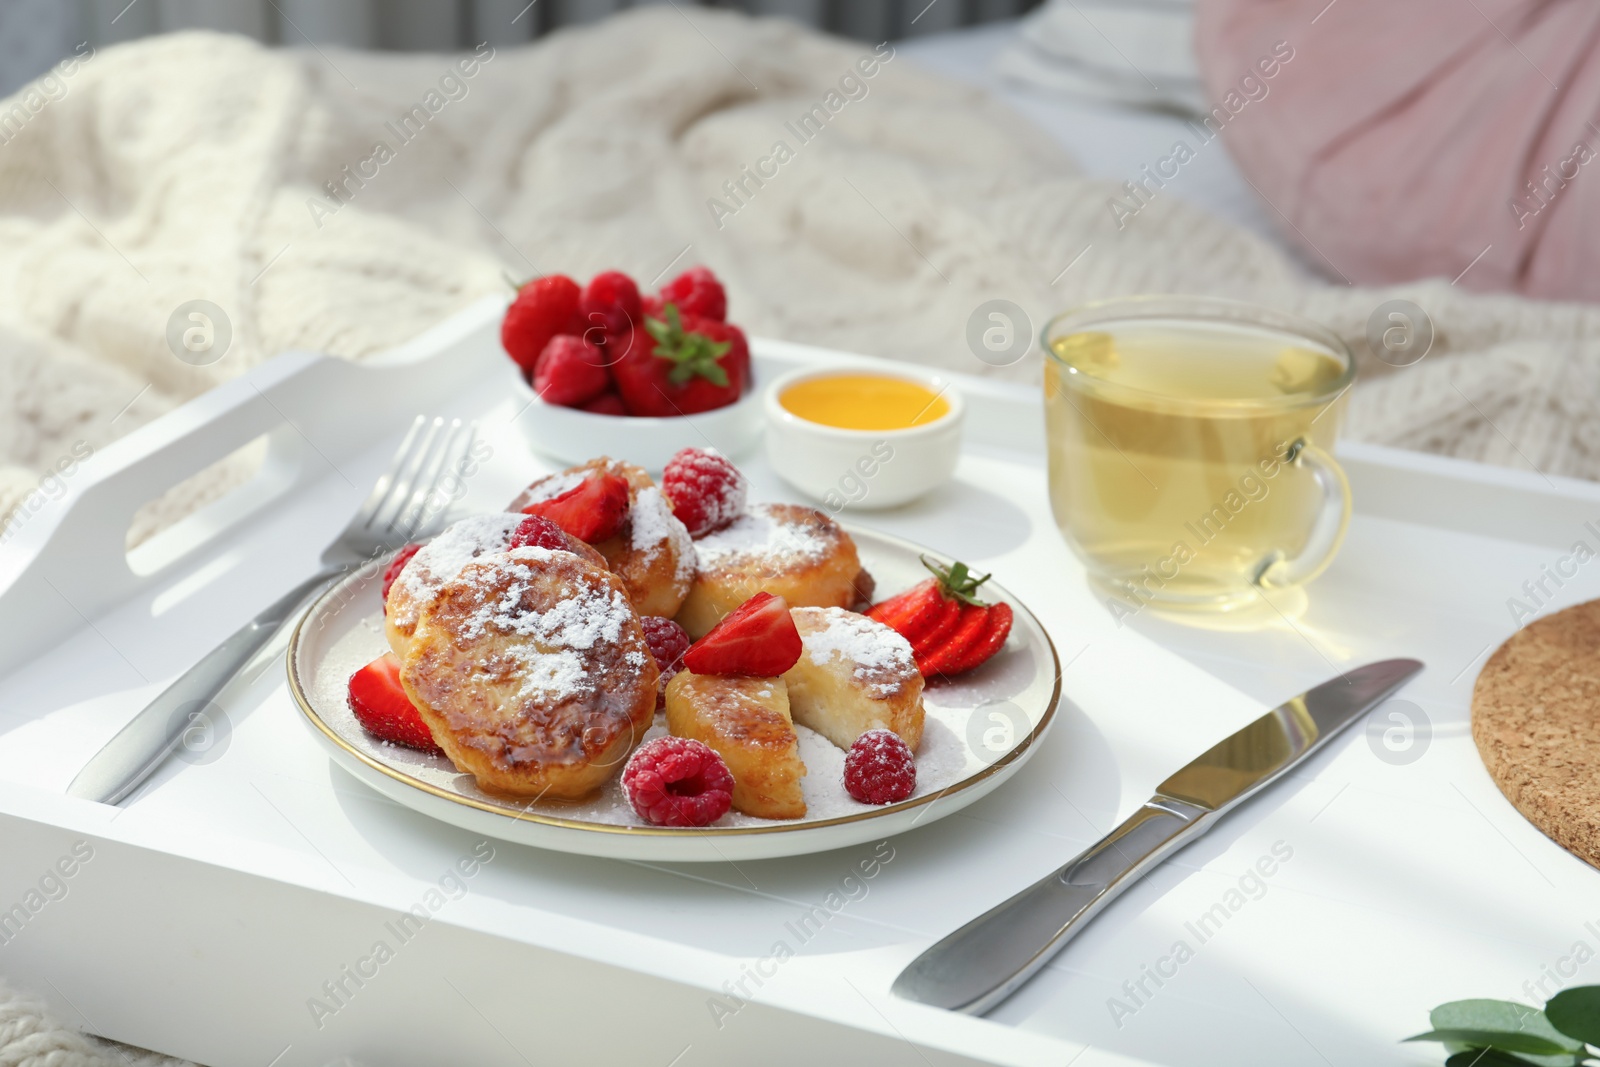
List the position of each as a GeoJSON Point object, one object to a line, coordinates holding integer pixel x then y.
{"type": "Point", "coordinates": [863, 469]}
{"type": "Point", "coordinates": [575, 436]}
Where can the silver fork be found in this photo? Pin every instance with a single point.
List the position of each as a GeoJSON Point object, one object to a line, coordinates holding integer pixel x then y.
{"type": "Point", "coordinates": [401, 508]}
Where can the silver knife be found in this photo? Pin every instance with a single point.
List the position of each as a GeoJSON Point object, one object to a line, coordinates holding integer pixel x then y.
{"type": "Point", "coordinates": [990, 958]}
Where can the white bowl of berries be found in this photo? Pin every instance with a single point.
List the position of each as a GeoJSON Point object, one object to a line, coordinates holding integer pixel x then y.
{"type": "Point", "coordinates": [611, 372]}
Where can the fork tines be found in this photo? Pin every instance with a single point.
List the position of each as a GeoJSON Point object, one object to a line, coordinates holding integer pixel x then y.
{"type": "Point", "coordinates": [410, 500]}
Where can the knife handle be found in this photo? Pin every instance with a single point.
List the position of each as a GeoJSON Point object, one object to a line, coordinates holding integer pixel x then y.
{"type": "Point", "coordinates": [982, 963]}
{"type": "Point", "coordinates": [151, 735]}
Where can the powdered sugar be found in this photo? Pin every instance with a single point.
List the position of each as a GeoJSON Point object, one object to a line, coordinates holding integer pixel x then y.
{"type": "Point", "coordinates": [758, 535]}
{"type": "Point", "coordinates": [577, 622]}
{"type": "Point", "coordinates": [549, 676]}
{"type": "Point", "coordinates": [441, 559]}
{"type": "Point", "coordinates": [654, 525]}
{"type": "Point", "coordinates": [553, 486]}
{"type": "Point", "coordinates": [882, 657]}
{"type": "Point", "coordinates": [549, 662]}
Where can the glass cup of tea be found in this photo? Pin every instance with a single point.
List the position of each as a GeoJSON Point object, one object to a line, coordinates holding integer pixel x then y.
{"type": "Point", "coordinates": [1188, 448]}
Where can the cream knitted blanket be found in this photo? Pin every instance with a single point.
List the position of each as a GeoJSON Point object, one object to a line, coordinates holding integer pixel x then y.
{"type": "Point", "coordinates": [195, 166]}
{"type": "Point", "coordinates": [343, 202]}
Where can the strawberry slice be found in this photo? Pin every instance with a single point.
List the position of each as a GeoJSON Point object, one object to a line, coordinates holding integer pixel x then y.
{"type": "Point", "coordinates": [913, 612]}
{"type": "Point", "coordinates": [756, 638]}
{"type": "Point", "coordinates": [996, 628]}
{"type": "Point", "coordinates": [396, 565]}
{"type": "Point", "coordinates": [944, 623]}
{"type": "Point", "coordinates": [590, 511]}
{"type": "Point", "coordinates": [949, 628]}
{"type": "Point", "coordinates": [382, 707]}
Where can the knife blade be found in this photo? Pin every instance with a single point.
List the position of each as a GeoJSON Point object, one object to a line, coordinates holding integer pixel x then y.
{"type": "Point", "coordinates": [988, 959]}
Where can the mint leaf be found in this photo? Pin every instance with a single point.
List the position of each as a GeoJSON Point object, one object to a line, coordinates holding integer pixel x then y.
{"type": "Point", "coordinates": [1576, 1013]}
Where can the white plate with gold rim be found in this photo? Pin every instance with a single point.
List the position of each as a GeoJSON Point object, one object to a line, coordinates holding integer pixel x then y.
{"type": "Point", "coordinates": [980, 729]}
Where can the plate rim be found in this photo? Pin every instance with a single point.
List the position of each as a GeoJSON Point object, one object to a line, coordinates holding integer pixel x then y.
{"type": "Point", "coordinates": [1016, 752]}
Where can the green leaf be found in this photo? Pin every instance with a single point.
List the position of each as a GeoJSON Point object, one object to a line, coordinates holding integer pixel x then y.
{"type": "Point", "coordinates": [691, 354]}
{"type": "Point", "coordinates": [957, 581]}
{"type": "Point", "coordinates": [1486, 1057]}
{"type": "Point", "coordinates": [1507, 1016]}
{"type": "Point", "coordinates": [1576, 1013]}
{"type": "Point", "coordinates": [1506, 1040]}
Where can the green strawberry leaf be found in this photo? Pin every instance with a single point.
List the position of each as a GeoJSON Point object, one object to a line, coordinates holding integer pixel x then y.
{"type": "Point", "coordinates": [957, 581]}
{"type": "Point", "coordinates": [1576, 1013]}
{"type": "Point", "coordinates": [692, 354]}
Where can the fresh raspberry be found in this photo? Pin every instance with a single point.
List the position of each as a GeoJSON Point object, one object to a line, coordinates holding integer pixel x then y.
{"type": "Point", "coordinates": [543, 308]}
{"type": "Point", "coordinates": [607, 403]}
{"type": "Point", "coordinates": [570, 372]}
{"type": "Point", "coordinates": [536, 531]}
{"type": "Point", "coordinates": [705, 490]}
{"type": "Point", "coordinates": [879, 768]}
{"type": "Point", "coordinates": [668, 642]}
{"type": "Point", "coordinates": [697, 292]}
{"type": "Point", "coordinates": [673, 781]}
{"type": "Point", "coordinates": [396, 565]}
{"type": "Point", "coordinates": [611, 302]}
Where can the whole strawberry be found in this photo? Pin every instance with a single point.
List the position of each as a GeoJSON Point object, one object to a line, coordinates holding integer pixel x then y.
{"type": "Point", "coordinates": [697, 292]}
{"type": "Point", "coordinates": [737, 359]}
{"type": "Point", "coordinates": [570, 372]}
{"type": "Point", "coordinates": [543, 308]}
{"type": "Point", "coordinates": [607, 403]}
{"type": "Point", "coordinates": [610, 306]}
{"type": "Point", "coordinates": [677, 371]}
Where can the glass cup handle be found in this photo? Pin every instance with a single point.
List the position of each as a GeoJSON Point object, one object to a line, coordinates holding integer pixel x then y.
{"type": "Point", "coordinates": [1278, 571]}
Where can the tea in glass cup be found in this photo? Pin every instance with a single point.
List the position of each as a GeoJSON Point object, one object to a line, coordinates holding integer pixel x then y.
{"type": "Point", "coordinates": [1188, 447]}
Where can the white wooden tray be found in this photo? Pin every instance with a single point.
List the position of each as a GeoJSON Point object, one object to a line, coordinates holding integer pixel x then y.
{"type": "Point", "coordinates": [233, 912]}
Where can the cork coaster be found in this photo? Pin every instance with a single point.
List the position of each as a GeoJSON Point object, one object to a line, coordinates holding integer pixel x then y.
{"type": "Point", "coordinates": [1536, 720]}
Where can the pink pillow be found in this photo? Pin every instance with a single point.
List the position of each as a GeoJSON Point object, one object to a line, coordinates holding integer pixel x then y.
{"type": "Point", "coordinates": [1403, 138]}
